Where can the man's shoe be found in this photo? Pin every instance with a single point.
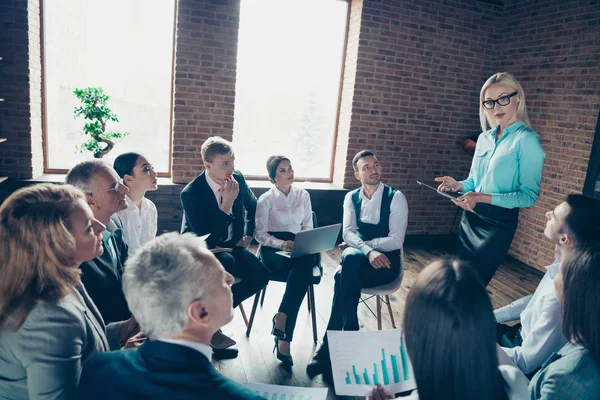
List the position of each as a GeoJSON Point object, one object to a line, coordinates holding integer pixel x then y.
{"type": "Point", "coordinates": [317, 367]}
{"type": "Point", "coordinates": [221, 341]}
{"type": "Point", "coordinates": [225, 354]}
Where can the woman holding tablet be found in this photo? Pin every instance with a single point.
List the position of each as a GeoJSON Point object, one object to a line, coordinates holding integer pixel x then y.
{"type": "Point", "coordinates": [505, 175]}
{"type": "Point", "coordinates": [282, 212]}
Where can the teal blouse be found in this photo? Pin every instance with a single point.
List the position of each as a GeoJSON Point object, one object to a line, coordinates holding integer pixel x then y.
{"type": "Point", "coordinates": [510, 169]}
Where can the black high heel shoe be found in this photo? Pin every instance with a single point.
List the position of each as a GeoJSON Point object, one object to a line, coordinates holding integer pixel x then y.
{"type": "Point", "coordinates": [286, 360]}
{"type": "Point", "coordinates": [278, 333]}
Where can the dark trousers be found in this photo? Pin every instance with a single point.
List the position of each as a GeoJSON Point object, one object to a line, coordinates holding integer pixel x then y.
{"type": "Point", "coordinates": [509, 336]}
{"type": "Point", "coordinates": [297, 272]}
{"type": "Point", "coordinates": [244, 265]}
{"type": "Point", "coordinates": [354, 274]}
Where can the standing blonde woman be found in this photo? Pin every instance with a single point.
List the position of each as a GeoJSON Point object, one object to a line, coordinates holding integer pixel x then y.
{"type": "Point", "coordinates": [49, 326]}
{"type": "Point", "coordinates": [505, 175]}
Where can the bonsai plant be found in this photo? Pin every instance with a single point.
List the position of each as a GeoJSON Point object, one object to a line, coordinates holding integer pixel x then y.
{"type": "Point", "coordinates": [93, 108]}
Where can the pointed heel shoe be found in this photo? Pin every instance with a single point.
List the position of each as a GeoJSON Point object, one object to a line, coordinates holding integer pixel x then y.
{"type": "Point", "coordinates": [286, 360]}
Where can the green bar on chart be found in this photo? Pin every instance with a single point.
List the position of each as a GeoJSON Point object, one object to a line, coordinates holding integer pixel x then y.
{"type": "Point", "coordinates": [384, 370]}
{"type": "Point", "coordinates": [375, 375]}
{"type": "Point", "coordinates": [356, 377]}
{"type": "Point", "coordinates": [274, 396]}
{"type": "Point", "coordinates": [404, 359]}
{"type": "Point", "coordinates": [395, 368]}
{"type": "Point", "coordinates": [266, 395]}
{"type": "Point", "coordinates": [282, 397]}
{"type": "Point", "coordinates": [348, 378]}
{"type": "Point", "coordinates": [366, 377]}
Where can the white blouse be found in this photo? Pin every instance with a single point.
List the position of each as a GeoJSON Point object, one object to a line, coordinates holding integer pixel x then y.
{"type": "Point", "coordinates": [139, 226]}
{"type": "Point", "coordinates": [276, 212]}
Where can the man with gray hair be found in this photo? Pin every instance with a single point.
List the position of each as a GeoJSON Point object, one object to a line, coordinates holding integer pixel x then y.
{"type": "Point", "coordinates": [180, 294]}
{"type": "Point", "coordinates": [105, 194]}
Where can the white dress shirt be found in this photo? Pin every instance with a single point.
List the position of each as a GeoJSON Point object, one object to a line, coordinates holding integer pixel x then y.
{"type": "Point", "coordinates": [369, 213]}
{"type": "Point", "coordinates": [541, 323]}
{"type": "Point", "coordinates": [216, 188]}
{"type": "Point", "coordinates": [139, 226]}
{"type": "Point", "coordinates": [276, 212]}
{"type": "Point", "coordinates": [205, 349]}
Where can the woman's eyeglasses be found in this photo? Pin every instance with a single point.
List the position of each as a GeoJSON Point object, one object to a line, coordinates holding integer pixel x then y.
{"type": "Point", "coordinates": [501, 101]}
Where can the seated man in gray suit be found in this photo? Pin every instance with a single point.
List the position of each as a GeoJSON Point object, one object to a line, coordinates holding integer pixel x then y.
{"type": "Point", "coordinates": [180, 295]}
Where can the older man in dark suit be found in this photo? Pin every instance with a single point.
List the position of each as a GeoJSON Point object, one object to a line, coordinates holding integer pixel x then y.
{"type": "Point", "coordinates": [180, 295]}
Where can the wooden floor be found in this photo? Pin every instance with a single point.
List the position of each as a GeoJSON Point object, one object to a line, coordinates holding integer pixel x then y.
{"type": "Point", "coordinates": [256, 361]}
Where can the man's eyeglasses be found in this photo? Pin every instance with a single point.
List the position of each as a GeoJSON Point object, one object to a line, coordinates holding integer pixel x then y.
{"type": "Point", "coordinates": [501, 101]}
{"type": "Point", "coordinates": [116, 187]}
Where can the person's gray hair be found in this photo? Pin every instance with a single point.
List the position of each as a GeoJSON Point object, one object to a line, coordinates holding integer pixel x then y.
{"type": "Point", "coordinates": [81, 175]}
{"type": "Point", "coordinates": [163, 278]}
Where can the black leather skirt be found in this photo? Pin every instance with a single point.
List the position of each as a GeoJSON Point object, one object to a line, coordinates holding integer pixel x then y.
{"type": "Point", "coordinates": [484, 237]}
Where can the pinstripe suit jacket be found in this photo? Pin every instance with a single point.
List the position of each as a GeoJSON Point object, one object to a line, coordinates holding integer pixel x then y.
{"type": "Point", "coordinates": [569, 374]}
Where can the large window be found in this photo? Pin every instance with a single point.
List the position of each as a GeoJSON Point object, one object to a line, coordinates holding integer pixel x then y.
{"type": "Point", "coordinates": [123, 46]}
{"type": "Point", "coordinates": [289, 68]}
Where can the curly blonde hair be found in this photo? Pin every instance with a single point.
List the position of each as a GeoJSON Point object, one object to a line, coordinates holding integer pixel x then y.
{"type": "Point", "coordinates": [37, 250]}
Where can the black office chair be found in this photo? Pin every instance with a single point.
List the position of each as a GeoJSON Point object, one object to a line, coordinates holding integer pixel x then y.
{"type": "Point", "coordinates": [312, 308]}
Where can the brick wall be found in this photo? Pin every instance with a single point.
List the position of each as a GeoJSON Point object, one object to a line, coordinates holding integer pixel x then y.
{"type": "Point", "coordinates": [20, 86]}
{"type": "Point", "coordinates": [419, 70]}
{"type": "Point", "coordinates": [205, 70]}
{"type": "Point", "coordinates": [410, 93]}
{"type": "Point", "coordinates": [553, 48]}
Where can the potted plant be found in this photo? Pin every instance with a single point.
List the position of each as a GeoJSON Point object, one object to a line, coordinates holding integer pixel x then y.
{"type": "Point", "coordinates": [93, 108]}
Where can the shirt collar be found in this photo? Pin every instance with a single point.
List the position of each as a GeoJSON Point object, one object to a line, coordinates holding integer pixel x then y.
{"type": "Point", "coordinates": [553, 268]}
{"type": "Point", "coordinates": [131, 205]}
{"type": "Point", "coordinates": [515, 126]}
{"type": "Point", "coordinates": [213, 185]}
{"type": "Point", "coordinates": [205, 349]}
{"type": "Point", "coordinates": [277, 192]}
{"type": "Point", "coordinates": [377, 192]}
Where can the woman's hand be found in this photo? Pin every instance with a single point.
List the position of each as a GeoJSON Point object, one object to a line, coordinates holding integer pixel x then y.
{"type": "Point", "coordinates": [380, 393]}
{"type": "Point", "coordinates": [288, 245]}
{"type": "Point", "coordinates": [135, 341]}
{"type": "Point", "coordinates": [448, 184]}
{"type": "Point", "coordinates": [468, 201]}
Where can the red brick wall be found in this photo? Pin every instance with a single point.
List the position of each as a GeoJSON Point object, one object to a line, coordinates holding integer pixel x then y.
{"type": "Point", "coordinates": [553, 48]}
{"type": "Point", "coordinates": [205, 70]}
{"type": "Point", "coordinates": [420, 67]}
{"type": "Point", "coordinates": [20, 87]}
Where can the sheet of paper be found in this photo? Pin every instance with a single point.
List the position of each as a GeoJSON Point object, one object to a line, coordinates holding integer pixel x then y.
{"type": "Point", "coordinates": [277, 392]}
{"type": "Point", "coordinates": [361, 360]}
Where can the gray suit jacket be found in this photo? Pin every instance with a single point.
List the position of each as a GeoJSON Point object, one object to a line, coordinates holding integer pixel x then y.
{"type": "Point", "coordinates": [44, 357]}
{"type": "Point", "coordinates": [569, 374]}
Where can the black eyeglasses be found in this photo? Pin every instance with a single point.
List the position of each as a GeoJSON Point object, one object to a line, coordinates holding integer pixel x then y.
{"type": "Point", "coordinates": [502, 101]}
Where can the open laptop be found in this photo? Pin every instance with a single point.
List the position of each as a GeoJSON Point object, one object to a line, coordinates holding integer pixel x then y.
{"type": "Point", "coordinates": [313, 241]}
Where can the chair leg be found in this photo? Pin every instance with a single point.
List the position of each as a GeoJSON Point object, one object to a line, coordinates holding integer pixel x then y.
{"type": "Point", "coordinates": [262, 297]}
{"type": "Point", "coordinates": [378, 312]}
{"type": "Point", "coordinates": [313, 306]}
{"type": "Point", "coordinates": [389, 305]}
{"type": "Point", "coordinates": [253, 313]}
{"type": "Point", "coordinates": [241, 306]}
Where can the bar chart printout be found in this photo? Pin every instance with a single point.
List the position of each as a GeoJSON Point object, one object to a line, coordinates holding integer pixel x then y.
{"type": "Point", "coordinates": [278, 392]}
{"type": "Point", "coordinates": [361, 360]}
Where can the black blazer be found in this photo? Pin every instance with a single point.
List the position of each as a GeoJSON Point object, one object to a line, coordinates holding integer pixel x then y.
{"type": "Point", "coordinates": [202, 215]}
{"type": "Point", "coordinates": [102, 276]}
{"type": "Point", "coordinates": [157, 370]}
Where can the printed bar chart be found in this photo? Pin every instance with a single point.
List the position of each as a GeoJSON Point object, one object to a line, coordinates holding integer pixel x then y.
{"type": "Point", "coordinates": [358, 356]}
{"type": "Point", "coordinates": [277, 392]}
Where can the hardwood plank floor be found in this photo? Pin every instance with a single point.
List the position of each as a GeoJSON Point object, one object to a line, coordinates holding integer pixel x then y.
{"type": "Point", "coordinates": [256, 361]}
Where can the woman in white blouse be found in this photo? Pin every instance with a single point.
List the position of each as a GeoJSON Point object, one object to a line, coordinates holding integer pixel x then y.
{"type": "Point", "coordinates": [140, 218]}
{"type": "Point", "coordinates": [282, 212]}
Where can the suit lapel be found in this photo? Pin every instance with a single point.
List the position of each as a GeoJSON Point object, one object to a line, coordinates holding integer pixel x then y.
{"type": "Point", "coordinates": [93, 316]}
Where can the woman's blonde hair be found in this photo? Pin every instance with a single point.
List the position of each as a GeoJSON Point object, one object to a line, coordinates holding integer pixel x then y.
{"type": "Point", "coordinates": [509, 80]}
{"type": "Point", "coordinates": [37, 251]}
